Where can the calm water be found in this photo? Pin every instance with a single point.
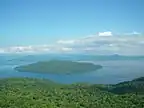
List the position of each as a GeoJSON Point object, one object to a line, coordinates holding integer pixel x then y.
{"type": "Point", "coordinates": [112, 72]}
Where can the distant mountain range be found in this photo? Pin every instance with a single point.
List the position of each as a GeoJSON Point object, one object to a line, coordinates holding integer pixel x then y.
{"type": "Point", "coordinates": [44, 57]}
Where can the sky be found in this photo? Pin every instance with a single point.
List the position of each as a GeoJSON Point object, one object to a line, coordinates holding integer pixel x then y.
{"type": "Point", "coordinates": [46, 24]}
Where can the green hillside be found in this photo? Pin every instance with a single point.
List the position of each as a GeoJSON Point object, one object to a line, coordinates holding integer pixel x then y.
{"type": "Point", "coordinates": [36, 93]}
{"type": "Point", "coordinates": [134, 86]}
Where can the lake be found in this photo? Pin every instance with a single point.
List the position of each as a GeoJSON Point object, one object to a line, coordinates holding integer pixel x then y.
{"type": "Point", "coordinates": [113, 71]}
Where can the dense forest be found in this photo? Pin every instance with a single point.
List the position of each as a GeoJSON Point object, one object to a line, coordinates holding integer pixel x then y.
{"type": "Point", "coordinates": [40, 93]}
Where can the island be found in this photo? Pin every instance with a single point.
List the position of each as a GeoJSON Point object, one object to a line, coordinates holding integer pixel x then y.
{"type": "Point", "coordinates": [59, 67]}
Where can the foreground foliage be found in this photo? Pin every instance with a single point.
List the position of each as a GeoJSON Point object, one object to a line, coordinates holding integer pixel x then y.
{"type": "Point", "coordinates": [34, 93]}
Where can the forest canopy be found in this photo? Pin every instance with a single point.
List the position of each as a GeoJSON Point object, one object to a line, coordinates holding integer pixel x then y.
{"type": "Point", "coordinates": [37, 93]}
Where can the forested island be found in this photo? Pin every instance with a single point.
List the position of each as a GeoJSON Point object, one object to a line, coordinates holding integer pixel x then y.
{"type": "Point", "coordinates": [58, 67]}
{"type": "Point", "coordinates": [39, 93]}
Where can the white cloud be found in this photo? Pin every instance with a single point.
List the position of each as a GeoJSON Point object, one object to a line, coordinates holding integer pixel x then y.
{"type": "Point", "coordinates": [24, 49]}
{"type": "Point", "coordinates": [66, 49]}
{"type": "Point", "coordinates": [121, 44]}
{"type": "Point", "coordinates": [2, 50]}
{"type": "Point", "coordinates": [94, 44]}
{"type": "Point", "coordinates": [133, 33]}
{"type": "Point", "coordinates": [65, 42]}
{"type": "Point", "coordinates": [105, 33]}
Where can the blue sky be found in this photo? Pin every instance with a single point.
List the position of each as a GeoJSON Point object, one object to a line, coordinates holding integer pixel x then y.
{"type": "Point", "coordinates": [45, 21]}
{"type": "Point", "coordinates": [38, 22]}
